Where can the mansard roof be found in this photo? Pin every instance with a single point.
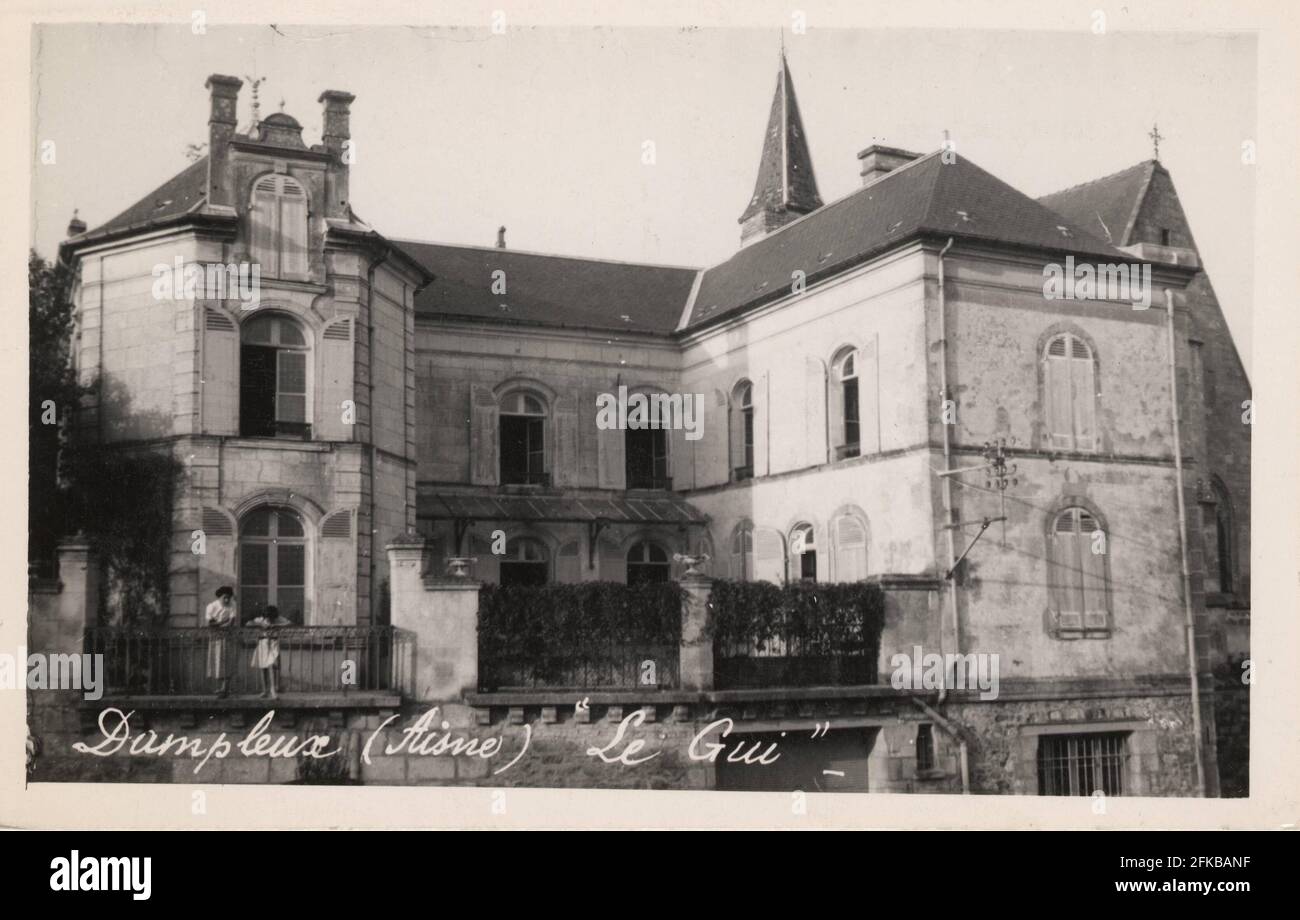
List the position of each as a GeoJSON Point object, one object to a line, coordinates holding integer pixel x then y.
{"type": "Point", "coordinates": [1107, 206]}
{"type": "Point", "coordinates": [548, 289]}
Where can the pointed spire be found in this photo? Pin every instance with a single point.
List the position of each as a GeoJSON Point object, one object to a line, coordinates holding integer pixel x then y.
{"type": "Point", "coordinates": [786, 187]}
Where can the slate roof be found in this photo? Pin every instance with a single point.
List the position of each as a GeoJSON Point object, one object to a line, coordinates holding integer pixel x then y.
{"type": "Point", "coordinates": [651, 509]}
{"type": "Point", "coordinates": [174, 198]}
{"type": "Point", "coordinates": [554, 290]}
{"type": "Point", "coordinates": [785, 172]}
{"type": "Point", "coordinates": [924, 197]}
{"type": "Point", "coordinates": [1105, 206]}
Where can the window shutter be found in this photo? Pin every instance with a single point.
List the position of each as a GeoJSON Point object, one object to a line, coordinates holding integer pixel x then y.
{"type": "Point", "coordinates": [1068, 575]}
{"type": "Point", "coordinates": [262, 230]}
{"type": "Point", "coordinates": [713, 458]}
{"type": "Point", "coordinates": [1057, 384]}
{"type": "Point", "coordinates": [337, 526]}
{"type": "Point", "coordinates": [611, 471]}
{"type": "Point", "coordinates": [868, 399]}
{"type": "Point", "coordinates": [291, 387]}
{"type": "Point", "coordinates": [815, 411]}
{"type": "Point", "coordinates": [1084, 396]}
{"type": "Point", "coordinates": [564, 440]}
{"type": "Point", "coordinates": [483, 435]}
{"type": "Point", "coordinates": [1095, 614]}
{"type": "Point", "coordinates": [850, 549]}
{"type": "Point", "coordinates": [769, 556]}
{"type": "Point", "coordinates": [762, 457]}
{"type": "Point", "coordinates": [220, 374]}
{"type": "Point", "coordinates": [293, 231]}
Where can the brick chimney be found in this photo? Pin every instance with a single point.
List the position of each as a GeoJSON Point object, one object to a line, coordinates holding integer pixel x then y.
{"type": "Point", "coordinates": [221, 128]}
{"type": "Point", "coordinates": [878, 161]}
{"type": "Point", "coordinates": [337, 132]}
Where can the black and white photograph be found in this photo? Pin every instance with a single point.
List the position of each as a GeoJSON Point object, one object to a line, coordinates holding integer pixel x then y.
{"type": "Point", "coordinates": [788, 406]}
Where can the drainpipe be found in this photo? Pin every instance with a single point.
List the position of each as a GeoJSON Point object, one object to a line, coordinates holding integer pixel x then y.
{"type": "Point", "coordinates": [947, 481]}
{"type": "Point", "coordinates": [953, 734]}
{"type": "Point", "coordinates": [1189, 621]}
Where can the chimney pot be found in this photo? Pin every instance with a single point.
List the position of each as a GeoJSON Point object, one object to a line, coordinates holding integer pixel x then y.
{"type": "Point", "coordinates": [337, 118]}
{"type": "Point", "coordinates": [501, 238]}
{"type": "Point", "coordinates": [878, 161]}
{"type": "Point", "coordinates": [221, 128]}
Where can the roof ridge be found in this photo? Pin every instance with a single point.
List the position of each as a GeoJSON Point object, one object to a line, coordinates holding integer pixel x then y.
{"type": "Point", "coordinates": [542, 255]}
{"type": "Point", "coordinates": [1105, 178]}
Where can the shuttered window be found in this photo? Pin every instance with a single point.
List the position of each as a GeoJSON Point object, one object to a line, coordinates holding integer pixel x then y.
{"type": "Point", "coordinates": [1070, 393]}
{"type": "Point", "coordinates": [742, 552]}
{"type": "Point", "coordinates": [278, 227]}
{"type": "Point", "coordinates": [1078, 570]}
{"type": "Point", "coordinates": [273, 379]}
{"type": "Point", "coordinates": [850, 538]}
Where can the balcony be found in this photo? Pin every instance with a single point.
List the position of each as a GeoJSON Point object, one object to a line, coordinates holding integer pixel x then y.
{"type": "Point", "coordinates": [318, 665]}
{"type": "Point", "coordinates": [641, 481]}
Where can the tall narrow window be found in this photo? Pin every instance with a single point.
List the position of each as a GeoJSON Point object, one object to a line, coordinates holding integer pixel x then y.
{"type": "Point", "coordinates": [278, 219]}
{"type": "Point", "coordinates": [272, 564]}
{"type": "Point", "coordinates": [523, 440]}
{"type": "Point", "coordinates": [1216, 537]}
{"type": "Point", "coordinates": [850, 420]}
{"type": "Point", "coordinates": [803, 553]}
{"type": "Point", "coordinates": [742, 552]}
{"type": "Point", "coordinates": [925, 759]}
{"type": "Point", "coordinates": [273, 379]}
{"type": "Point", "coordinates": [646, 563]}
{"type": "Point", "coordinates": [647, 458]}
{"type": "Point", "coordinates": [849, 535]}
{"type": "Point", "coordinates": [742, 430]}
{"type": "Point", "coordinates": [1071, 393]}
{"type": "Point", "coordinates": [1078, 571]}
{"type": "Point", "coordinates": [525, 563]}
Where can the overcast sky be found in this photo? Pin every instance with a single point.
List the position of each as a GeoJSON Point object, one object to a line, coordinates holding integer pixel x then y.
{"type": "Point", "coordinates": [459, 131]}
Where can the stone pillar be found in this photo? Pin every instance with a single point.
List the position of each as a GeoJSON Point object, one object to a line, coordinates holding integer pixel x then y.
{"type": "Point", "coordinates": [442, 616]}
{"type": "Point", "coordinates": [60, 627]}
{"type": "Point", "coordinates": [696, 650]}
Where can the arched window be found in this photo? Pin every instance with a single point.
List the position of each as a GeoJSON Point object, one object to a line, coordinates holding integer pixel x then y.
{"type": "Point", "coordinates": [273, 564]}
{"type": "Point", "coordinates": [646, 448]}
{"type": "Point", "coordinates": [273, 378]}
{"type": "Point", "coordinates": [1078, 572]}
{"type": "Point", "coordinates": [523, 439]}
{"type": "Point", "coordinates": [1216, 537]}
{"type": "Point", "coordinates": [849, 538]}
{"type": "Point", "coordinates": [742, 552]}
{"type": "Point", "coordinates": [647, 562]}
{"type": "Point", "coordinates": [1070, 395]}
{"type": "Point", "coordinates": [525, 563]}
{"type": "Point", "coordinates": [278, 219]}
{"type": "Point", "coordinates": [742, 431]}
{"type": "Point", "coordinates": [846, 423]}
{"type": "Point", "coordinates": [803, 553]}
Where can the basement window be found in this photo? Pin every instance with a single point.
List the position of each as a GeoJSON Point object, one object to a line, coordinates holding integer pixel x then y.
{"type": "Point", "coordinates": [1082, 764]}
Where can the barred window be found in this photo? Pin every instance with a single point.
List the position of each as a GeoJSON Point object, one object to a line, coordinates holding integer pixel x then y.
{"type": "Point", "coordinates": [1082, 764]}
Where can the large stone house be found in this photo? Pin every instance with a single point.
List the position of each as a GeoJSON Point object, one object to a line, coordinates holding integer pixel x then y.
{"type": "Point", "coordinates": [846, 355]}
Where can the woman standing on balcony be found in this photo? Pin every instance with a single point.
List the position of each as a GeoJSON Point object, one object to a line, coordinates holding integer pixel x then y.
{"type": "Point", "coordinates": [221, 614]}
{"type": "Point", "coordinates": [267, 656]}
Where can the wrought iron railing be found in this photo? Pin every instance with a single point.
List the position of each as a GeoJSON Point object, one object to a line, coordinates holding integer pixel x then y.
{"type": "Point", "coordinates": [195, 661]}
{"type": "Point", "coordinates": [609, 666]}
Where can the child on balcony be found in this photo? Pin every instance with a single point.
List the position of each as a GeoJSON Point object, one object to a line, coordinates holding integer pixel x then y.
{"type": "Point", "coordinates": [267, 656]}
{"type": "Point", "coordinates": [221, 614]}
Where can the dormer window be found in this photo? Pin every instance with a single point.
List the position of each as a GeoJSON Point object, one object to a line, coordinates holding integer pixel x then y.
{"type": "Point", "coordinates": [278, 227]}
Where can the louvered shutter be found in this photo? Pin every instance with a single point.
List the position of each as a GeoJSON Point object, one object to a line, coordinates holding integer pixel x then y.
{"type": "Point", "coordinates": [564, 460]}
{"type": "Point", "coordinates": [762, 405]}
{"type": "Point", "coordinates": [220, 379]}
{"type": "Point", "coordinates": [769, 556]}
{"type": "Point", "coordinates": [868, 399]}
{"type": "Point", "coordinates": [815, 436]}
{"type": "Point", "coordinates": [1083, 394]}
{"type": "Point", "coordinates": [1067, 566]}
{"type": "Point", "coordinates": [712, 451]}
{"type": "Point", "coordinates": [293, 230]}
{"type": "Point", "coordinates": [1095, 614]}
{"type": "Point", "coordinates": [483, 435]}
{"type": "Point", "coordinates": [850, 549]}
{"type": "Point", "coordinates": [1060, 427]}
{"type": "Point", "coordinates": [610, 458]}
{"type": "Point", "coordinates": [262, 219]}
